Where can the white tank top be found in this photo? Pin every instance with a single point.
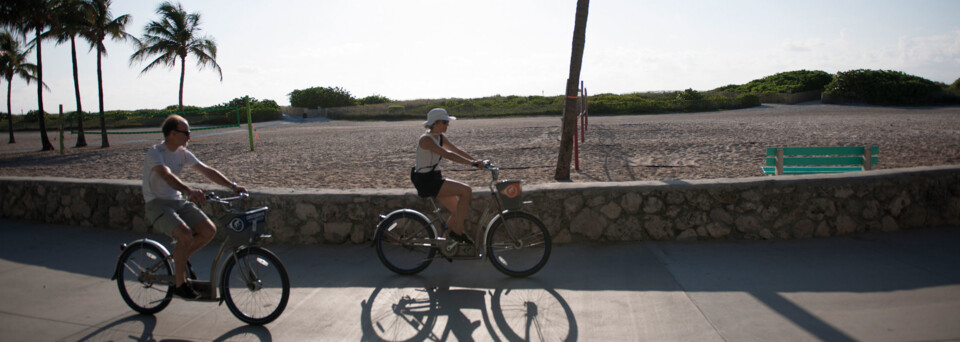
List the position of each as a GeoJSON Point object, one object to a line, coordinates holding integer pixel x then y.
{"type": "Point", "coordinates": [427, 160]}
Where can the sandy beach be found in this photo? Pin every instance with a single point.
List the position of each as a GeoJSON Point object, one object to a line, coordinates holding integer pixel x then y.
{"type": "Point", "coordinates": [352, 155]}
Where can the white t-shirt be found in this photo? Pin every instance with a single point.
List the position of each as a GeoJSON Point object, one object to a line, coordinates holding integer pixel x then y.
{"type": "Point", "coordinates": [153, 185]}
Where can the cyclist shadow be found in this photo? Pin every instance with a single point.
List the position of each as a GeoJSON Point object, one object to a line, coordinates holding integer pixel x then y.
{"type": "Point", "coordinates": [139, 327]}
{"type": "Point", "coordinates": [410, 308]}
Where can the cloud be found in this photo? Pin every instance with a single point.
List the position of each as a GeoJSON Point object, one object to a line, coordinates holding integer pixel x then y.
{"type": "Point", "coordinates": [942, 48]}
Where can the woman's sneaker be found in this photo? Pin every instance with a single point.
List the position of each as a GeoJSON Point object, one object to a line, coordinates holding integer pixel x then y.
{"type": "Point", "coordinates": [186, 292]}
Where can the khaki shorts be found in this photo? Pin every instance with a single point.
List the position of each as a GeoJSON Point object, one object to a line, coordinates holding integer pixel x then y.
{"type": "Point", "coordinates": [165, 215]}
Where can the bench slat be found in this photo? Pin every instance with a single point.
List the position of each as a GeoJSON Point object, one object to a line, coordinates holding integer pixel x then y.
{"type": "Point", "coordinates": [772, 161]}
{"type": "Point", "coordinates": [770, 170]}
{"type": "Point", "coordinates": [819, 151]}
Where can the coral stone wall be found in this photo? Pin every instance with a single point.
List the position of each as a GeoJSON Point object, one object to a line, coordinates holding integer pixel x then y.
{"type": "Point", "coordinates": [781, 207]}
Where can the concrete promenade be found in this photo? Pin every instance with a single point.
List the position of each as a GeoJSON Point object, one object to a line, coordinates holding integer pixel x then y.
{"type": "Point", "coordinates": [899, 286]}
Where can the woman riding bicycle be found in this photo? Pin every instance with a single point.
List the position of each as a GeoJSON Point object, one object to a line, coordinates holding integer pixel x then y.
{"type": "Point", "coordinates": [433, 146]}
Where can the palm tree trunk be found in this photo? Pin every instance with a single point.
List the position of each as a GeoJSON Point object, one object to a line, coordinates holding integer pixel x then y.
{"type": "Point", "coordinates": [570, 110]}
{"type": "Point", "coordinates": [104, 142]}
{"type": "Point", "coordinates": [183, 71]}
{"type": "Point", "coordinates": [10, 115]}
{"type": "Point", "coordinates": [81, 140]}
{"type": "Point", "coordinates": [44, 140]}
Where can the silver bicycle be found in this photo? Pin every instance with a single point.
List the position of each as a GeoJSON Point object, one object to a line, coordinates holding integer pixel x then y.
{"type": "Point", "coordinates": [516, 242]}
{"type": "Point", "coordinates": [252, 280]}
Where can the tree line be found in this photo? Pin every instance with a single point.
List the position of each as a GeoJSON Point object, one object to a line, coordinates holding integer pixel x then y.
{"type": "Point", "coordinates": [169, 40]}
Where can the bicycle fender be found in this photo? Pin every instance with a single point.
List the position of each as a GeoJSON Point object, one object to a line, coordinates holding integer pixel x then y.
{"type": "Point", "coordinates": [412, 212]}
{"type": "Point", "coordinates": [490, 223]}
{"type": "Point", "coordinates": [160, 246]}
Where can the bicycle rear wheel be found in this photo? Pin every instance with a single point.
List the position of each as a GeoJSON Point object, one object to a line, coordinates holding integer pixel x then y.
{"type": "Point", "coordinates": [255, 285]}
{"type": "Point", "coordinates": [403, 243]}
{"type": "Point", "coordinates": [518, 244]}
{"type": "Point", "coordinates": [139, 263]}
{"type": "Point", "coordinates": [399, 314]}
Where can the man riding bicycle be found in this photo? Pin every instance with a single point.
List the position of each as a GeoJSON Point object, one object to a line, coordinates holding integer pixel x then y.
{"type": "Point", "coordinates": [170, 204]}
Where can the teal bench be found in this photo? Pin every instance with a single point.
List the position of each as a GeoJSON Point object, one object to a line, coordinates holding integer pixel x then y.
{"type": "Point", "coordinates": [810, 160]}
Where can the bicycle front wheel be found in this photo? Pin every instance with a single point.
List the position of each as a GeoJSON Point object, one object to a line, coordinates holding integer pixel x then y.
{"type": "Point", "coordinates": [403, 243]}
{"type": "Point", "coordinates": [518, 244]}
{"type": "Point", "coordinates": [255, 285]}
{"type": "Point", "coordinates": [140, 264]}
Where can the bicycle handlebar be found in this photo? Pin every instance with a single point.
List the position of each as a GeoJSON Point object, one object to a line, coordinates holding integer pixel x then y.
{"type": "Point", "coordinates": [213, 197]}
{"type": "Point", "coordinates": [488, 165]}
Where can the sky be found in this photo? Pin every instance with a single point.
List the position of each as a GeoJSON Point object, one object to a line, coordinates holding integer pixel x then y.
{"type": "Point", "coordinates": [419, 49]}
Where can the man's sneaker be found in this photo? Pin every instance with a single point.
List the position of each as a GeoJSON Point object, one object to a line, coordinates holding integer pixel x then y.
{"type": "Point", "coordinates": [461, 238]}
{"type": "Point", "coordinates": [184, 291]}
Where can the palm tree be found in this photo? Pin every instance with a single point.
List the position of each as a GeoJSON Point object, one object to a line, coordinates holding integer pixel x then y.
{"type": "Point", "coordinates": [174, 37]}
{"type": "Point", "coordinates": [70, 15]}
{"type": "Point", "coordinates": [100, 24]}
{"type": "Point", "coordinates": [24, 16]}
{"type": "Point", "coordinates": [570, 101]}
{"type": "Point", "coordinates": [13, 62]}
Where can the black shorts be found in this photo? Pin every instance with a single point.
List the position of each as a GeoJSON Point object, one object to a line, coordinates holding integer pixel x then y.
{"type": "Point", "coordinates": [427, 183]}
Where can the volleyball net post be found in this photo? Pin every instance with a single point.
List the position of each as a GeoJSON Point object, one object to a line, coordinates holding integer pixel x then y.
{"type": "Point", "coordinates": [246, 102]}
{"type": "Point", "coordinates": [580, 131]}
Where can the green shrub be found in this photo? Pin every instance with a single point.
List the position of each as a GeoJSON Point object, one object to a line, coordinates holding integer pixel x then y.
{"type": "Point", "coordinates": [373, 99]}
{"type": "Point", "coordinates": [882, 87]}
{"type": "Point", "coordinates": [651, 103]}
{"type": "Point", "coordinates": [321, 97]}
{"type": "Point", "coordinates": [689, 95]}
{"type": "Point", "coordinates": [748, 100]}
{"type": "Point", "coordinates": [260, 110]}
{"type": "Point", "coordinates": [784, 82]}
{"type": "Point", "coordinates": [395, 109]}
{"type": "Point", "coordinates": [956, 85]}
{"type": "Point", "coordinates": [261, 114]}
{"type": "Point", "coordinates": [33, 116]}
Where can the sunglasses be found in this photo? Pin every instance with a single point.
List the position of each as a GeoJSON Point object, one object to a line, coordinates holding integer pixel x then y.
{"type": "Point", "coordinates": [187, 133]}
{"type": "Point", "coordinates": [445, 122]}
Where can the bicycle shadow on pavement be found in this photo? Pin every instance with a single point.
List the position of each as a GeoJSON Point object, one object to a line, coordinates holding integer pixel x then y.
{"type": "Point", "coordinates": [139, 327]}
{"type": "Point", "coordinates": [415, 308]}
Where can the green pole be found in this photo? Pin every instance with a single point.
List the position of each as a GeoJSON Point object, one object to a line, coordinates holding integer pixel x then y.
{"type": "Point", "coordinates": [61, 129]}
{"type": "Point", "coordinates": [246, 100]}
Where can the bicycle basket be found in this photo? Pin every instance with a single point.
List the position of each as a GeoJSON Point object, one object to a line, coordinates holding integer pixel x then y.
{"type": "Point", "coordinates": [254, 219]}
{"type": "Point", "coordinates": [510, 194]}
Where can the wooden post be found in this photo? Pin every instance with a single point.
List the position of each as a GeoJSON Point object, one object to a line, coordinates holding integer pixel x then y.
{"type": "Point", "coordinates": [576, 149]}
{"type": "Point", "coordinates": [586, 109]}
{"type": "Point", "coordinates": [867, 158]}
{"type": "Point", "coordinates": [779, 161]}
{"type": "Point", "coordinates": [60, 129]}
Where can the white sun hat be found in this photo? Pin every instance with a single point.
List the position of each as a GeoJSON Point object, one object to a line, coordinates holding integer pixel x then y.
{"type": "Point", "coordinates": [437, 114]}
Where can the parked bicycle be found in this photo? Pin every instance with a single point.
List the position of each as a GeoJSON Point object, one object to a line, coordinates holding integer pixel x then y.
{"type": "Point", "coordinates": [252, 280]}
{"type": "Point", "coordinates": [516, 242]}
